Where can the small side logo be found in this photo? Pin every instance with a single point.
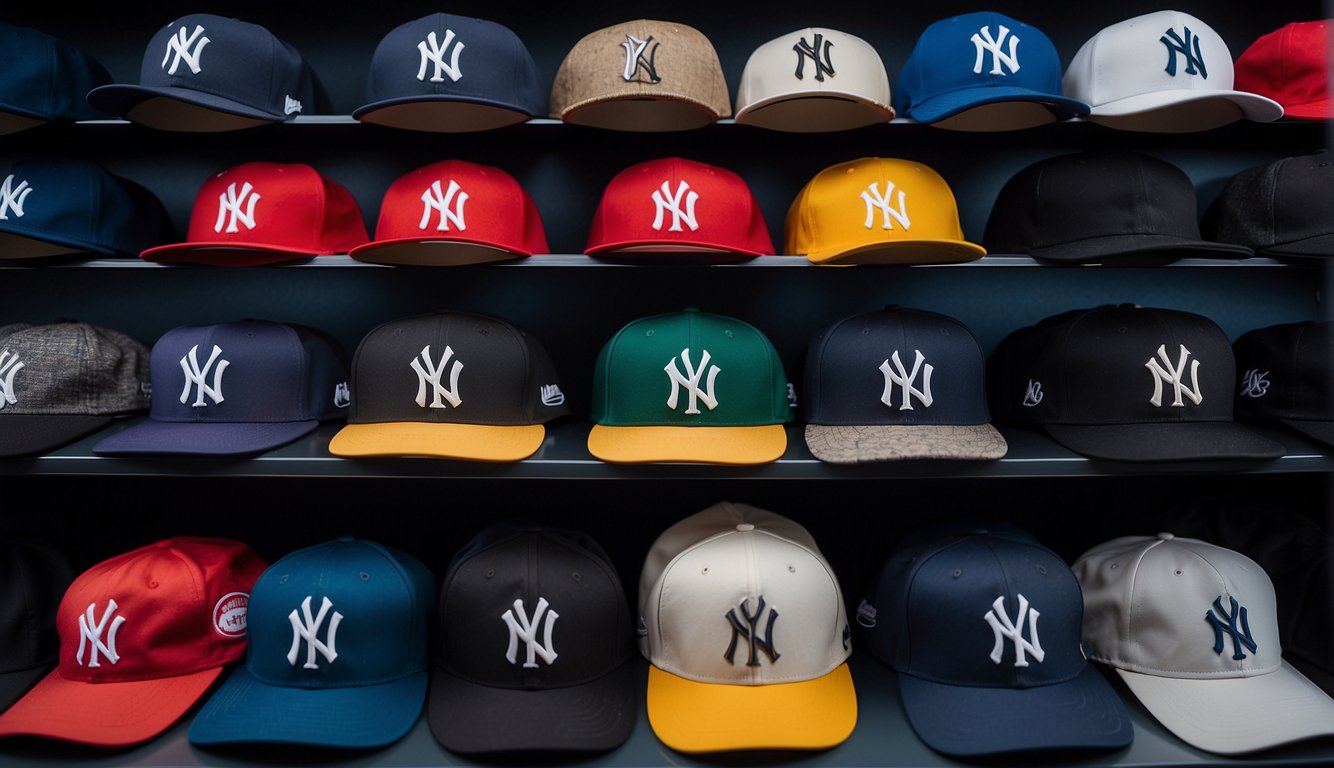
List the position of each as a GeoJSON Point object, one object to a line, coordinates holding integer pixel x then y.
{"type": "Point", "coordinates": [290, 105]}
{"type": "Point", "coordinates": [866, 614]}
{"type": "Point", "coordinates": [342, 395]}
{"type": "Point", "coordinates": [229, 615]}
{"type": "Point", "coordinates": [552, 396]}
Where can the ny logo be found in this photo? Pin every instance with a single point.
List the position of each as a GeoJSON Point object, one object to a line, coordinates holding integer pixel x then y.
{"type": "Point", "coordinates": [819, 56]}
{"type": "Point", "coordinates": [691, 382]}
{"type": "Point", "coordinates": [666, 201]}
{"type": "Point", "coordinates": [229, 207]}
{"type": "Point", "coordinates": [525, 629]}
{"type": "Point", "coordinates": [91, 631]}
{"type": "Point", "coordinates": [900, 376]}
{"type": "Point", "coordinates": [1254, 384]}
{"type": "Point", "coordinates": [448, 203]}
{"type": "Point", "coordinates": [307, 627]}
{"type": "Point", "coordinates": [1172, 376]}
{"type": "Point", "coordinates": [1002, 627]}
{"type": "Point", "coordinates": [195, 376]}
{"type": "Point", "coordinates": [181, 48]}
{"type": "Point", "coordinates": [1225, 622]}
{"type": "Point", "coordinates": [433, 52]}
{"type": "Point", "coordinates": [1033, 395]}
{"type": "Point", "coordinates": [342, 395]}
{"type": "Point", "coordinates": [635, 59]}
{"type": "Point", "coordinates": [1189, 47]}
{"type": "Point", "coordinates": [873, 199]}
{"type": "Point", "coordinates": [9, 366]}
{"type": "Point", "coordinates": [12, 197]}
{"type": "Point", "coordinates": [431, 374]}
{"type": "Point", "coordinates": [747, 630]}
{"type": "Point", "coordinates": [983, 41]}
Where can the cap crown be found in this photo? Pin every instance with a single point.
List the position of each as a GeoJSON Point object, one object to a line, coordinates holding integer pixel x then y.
{"type": "Point", "coordinates": [1286, 372]}
{"type": "Point", "coordinates": [35, 576]}
{"type": "Point", "coordinates": [813, 70]}
{"type": "Point", "coordinates": [1286, 205]}
{"type": "Point", "coordinates": [72, 368]}
{"type": "Point", "coordinates": [1291, 66]}
{"type": "Point", "coordinates": [46, 78]}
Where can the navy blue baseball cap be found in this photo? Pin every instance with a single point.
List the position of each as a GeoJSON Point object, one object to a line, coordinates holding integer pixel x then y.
{"type": "Point", "coordinates": [53, 207]}
{"type": "Point", "coordinates": [205, 73]}
{"type": "Point", "coordinates": [236, 388]}
{"type": "Point", "coordinates": [448, 73]}
{"type": "Point", "coordinates": [984, 630]}
{"type": "Point", "coordinates": [983, 72]}
{"type": "Point", "coordinates": [46, 80]}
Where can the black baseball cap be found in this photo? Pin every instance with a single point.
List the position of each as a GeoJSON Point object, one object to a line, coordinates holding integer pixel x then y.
{"type": "Point", "coordinates": [1282, 209]}
{"type": "Point", "coordinates": [1286, 373]}
{"type": "Point", "coordinates": [33, 578]}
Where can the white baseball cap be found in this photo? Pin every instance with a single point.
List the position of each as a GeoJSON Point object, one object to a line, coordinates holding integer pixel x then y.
{"type": "Point", "coordinates": [1192, 629]}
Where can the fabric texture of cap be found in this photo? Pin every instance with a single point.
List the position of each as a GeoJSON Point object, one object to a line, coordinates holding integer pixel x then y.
{"type": "Point", "coordinates": [975, 681]}
{"type": "Point", "coordinates": [33, 577]}
{"type": "Point", "coordinates": [1282, 209]}
{"type": "Point", "coordinates": [1164, 72]}
{"type": "Point", "coordinates": [452, 385]}
{"type": "Point", "coordinates": [143, 635]}
{"type": "Point", "coordinates": [894, 384]}
{"type": "Point", "coordinates": [1192, 630]}
{"type": "Point", "coordinates": [814, 80]}
{"type": "Point", "coordinates": [46, 80]}
{"type": "Point", "coordinates": [743, 622]}
{"type": "Point", "coordinates": [447, 74]}
{"type": "Point", "coordinates": [206, 73]}
{"type": "Point", "coordinates": [674, 209]}
{"type": "Point", "coordinates": [984, 71]}
{"type": "Point", "coordinates": [1125, 383]}
{"type": "Point", "coordinates": [1290, 65]}
{"type": "Point", "coordinates": [533, 622]}
{"type": "Point", "coordinates": [454, 212]}
{"type": "Point", "coordinates": [63, 207]}
{"type": "Point", "coordinates": [338, 655]}
{"type": "Point", "coordinates": [877, 210]}
{"type": "Point", "coordinates": [267, 213]}
{"type": "Point", "coordinates": [1101, 205]}
{"type": "Point", "coordinates": [689, 386]}
{"type": "Point", "coordinates": [1287, 374]}
{"type": "Point", "coordinates": [65, 380]}
{"type": "Point", "coordinates": [235, 389]}
{"type": "Point", "coordinates": [642, 75]}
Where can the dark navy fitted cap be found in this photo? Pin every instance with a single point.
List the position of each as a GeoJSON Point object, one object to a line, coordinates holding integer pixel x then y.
{"type": "Point", "coordinates": [45, 79]}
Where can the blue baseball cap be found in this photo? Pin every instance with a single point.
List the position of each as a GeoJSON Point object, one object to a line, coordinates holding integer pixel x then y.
{"type": "Point", "coordinates": [984, 71]}
{"type": "Point", "coordinates": [338, 652]}
{"type": "Point", "coordinates": [448, 73]}
{"type": "Point", "coordinates": [45, 80]}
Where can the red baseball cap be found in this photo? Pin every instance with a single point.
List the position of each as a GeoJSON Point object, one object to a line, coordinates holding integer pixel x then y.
{"type": "Point", "coordinates": [267, 213]}
{"type": "Point", "coordinates": [1290, 65]}
{"type": "Point", "coordinates": [454, 212]}
{"type": "Point", "coordinates": [142, 637]}
{"type": "Point", "coordinates": [678, 206]}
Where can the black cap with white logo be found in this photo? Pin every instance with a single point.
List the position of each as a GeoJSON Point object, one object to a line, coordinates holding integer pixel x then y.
{"type": "Point", "coordinates": [1286, 372]}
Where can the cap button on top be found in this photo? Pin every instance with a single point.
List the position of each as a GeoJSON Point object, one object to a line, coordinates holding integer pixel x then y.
{"type": "Point", "coordinates": [743, 527]}
{"type": "Point", "coordinates": [345, 539]}
{"type": "Point", "coordinates": [1166, 536]}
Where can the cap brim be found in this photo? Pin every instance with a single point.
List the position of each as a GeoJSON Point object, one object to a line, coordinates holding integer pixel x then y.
{"type": "Point", "coordinates": [1167, 441]}
{"type": "Point", "coordinates": [202, 438]}
{"type": "Point", "coordinates": [1123, 248]}
{"type": "Point", "coordinates": [900, 252]}
{"type": "Point", "coordinates": [226, 254]}
{"type": "Point", "coordinates": [952, 103]}
{"type": "Point", "coordinates": [14, 119]}
{"type": "Point", "coordinates": [664, 249]}
{"type": "Point", "coordinates": [639, 113]}
{"type": "Point", "coordinates": [814, 112]}
{"type": "Point", "coordinates": [711, 445]}
{"type": "Point", "coordinates": [1082, 713]}
{"type": "Point", "coordinates": [416, 251]}
{"type": "Point", "coordinates": [1315, 110]}
{"type": "Point", "coordinates": [14, 684]}
{"type": "Point", "coordinates": [859, 444]}
{"type": "Point", "coordinates": [442, 113]}
{"type": "Point", "coordinates": [1320, 431]}
{"type": "Point", "coordinates": [1253, 106]}
{"type": "Point", "coordinates": [1321, 246]}
{"type": "Point", "coordinates": [105, 714]}
{"type": "Point", "coordinates": [21, 244]}
{"type": "Point", "coordinates": [34, 434]}
{"type": "Point", "coordinates": [120, 98]}
{"type": "Point", "coordinates": [247, 711]}
{"type": "Point", "coordinates": [472, 442]}
{"type": "Point", "coordinates": [1240, 714]}
{"type": "Point", "coordinates": [469, 718]}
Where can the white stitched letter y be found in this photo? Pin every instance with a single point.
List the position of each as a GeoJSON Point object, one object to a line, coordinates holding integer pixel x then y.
{"type": "Point", "coordinates": [431, 374]}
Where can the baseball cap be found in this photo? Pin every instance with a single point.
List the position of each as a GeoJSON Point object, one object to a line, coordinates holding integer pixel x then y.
{"type": "Point", "coordinates": [983, 71]}
{"type": "Point", "coordinates": [267, 213]}
{"type": "Point", "coordinates": [1283, 208]}
{"type": "Point", "coordinates": [65, 380]}
{"type": "Point", "coordinates": [57, 207]}
{"type": "Point", "coordinates": [1290, 65]}
{"type": "Point", "coordinates": [1125, 383]}
{"type": "Point", "coordinates": [642, 75]}
{"type": "Point", "coordinates": [46, 79]}
{"type": "Point", "coordinates": [1287, 374]}
{"type": "Point", "coordinates": [143, 635]}
{"type": "Point", "coordinates": [454, 212]}
{"type": "Point", "coordinates": [338, 651]}
{"type": "Point", "coordinates": [814, 80]}
{"type": "Point", "coordinates": [973, 680]}
{"type": "Point", "coordinates": [877, 210]}
{"type": "Point", "coordinates": [1166, 72]}
{"type": "Point", "coordinates": [897, 383]}
{"type": "Point", "coordinates": [743, 622]}
{"type": "Point", "coordinates": [236, 388]}
{"type": "Point", "coordinates": [534, 623]}
{"type": "Point", "coordinates": [206, 73]}
{"type": "Point", "coordinates": [1217, 681]}
{"type": "Point", "coordinates": [453, 385]}
{"type": "Point", "coordinates": [689, 386]}
{"type": "Point", "coordinates": [421, 79]}
{"type": "Point", "coordinates": [33, 576]}
{"type": "Point", "coordinates": [1101, 205]}
{"type": "Point", "coordinates": [678, 206]}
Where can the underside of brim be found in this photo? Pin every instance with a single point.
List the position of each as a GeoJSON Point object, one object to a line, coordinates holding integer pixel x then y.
{"type": "Point", "coordinates": [902, 252]}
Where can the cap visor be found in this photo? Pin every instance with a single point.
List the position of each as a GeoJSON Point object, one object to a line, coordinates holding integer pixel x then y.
{"type": "Point", "coordinates": [34, 434]}
{"type": "Point", "coordinates": [202, 438]}
{"type": "Point", "coordinates": [1321, 246]}
{"type": "Point", "coordinates": [14, 684]}
{"type": "Point", "coordinates": [1239, 714]}
{"type": "Point", "coordinates": [473, 442]}
{"type": "Point", "coordinates": [902, 252]}
{"type": "Point", "coordinates": [442, 113]}
{"type": "Point", "coordinates": [1315, 110]}
{"type": "Point", "coordinates": [858, 444]}
{"type": "Point", "coordinates": [120, 98]}
{"type": "Point", "coordinates": [425, 252]}
{"type": "Point", "coordinates": [1253, 106]}
{"type": "Point", "coordinates": [709, 717]}
{"type": "Point", "coordinates": [1175, 441]}
{"type": "Point", "coordinates": [1084, 712]}
{"type": "Point", "coordinates": [226, 254]}
{"type": "Point", "coordinates": [952, 103]}
{"type": "Point", "coordinates": [20, 244]}
{"type": "Point", "coordinates": [1320, 431]}
{"type": "Point", "coordinates": [247, 711]}
{"type": "Point", "coordinates": [711, 445]}
{"type": "Point", "coordinates": [636, 112]}
{"type": "Point", "coordinates": [1145, 248]}
{"type": "Point", "coordinates": [663, 249]}
{"type": "Point", "coordinates": [595, 717]}
{"type": "Point", "coordinates": [106, 714]}
{"type": "Point", "coordinates": [814, 112]}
